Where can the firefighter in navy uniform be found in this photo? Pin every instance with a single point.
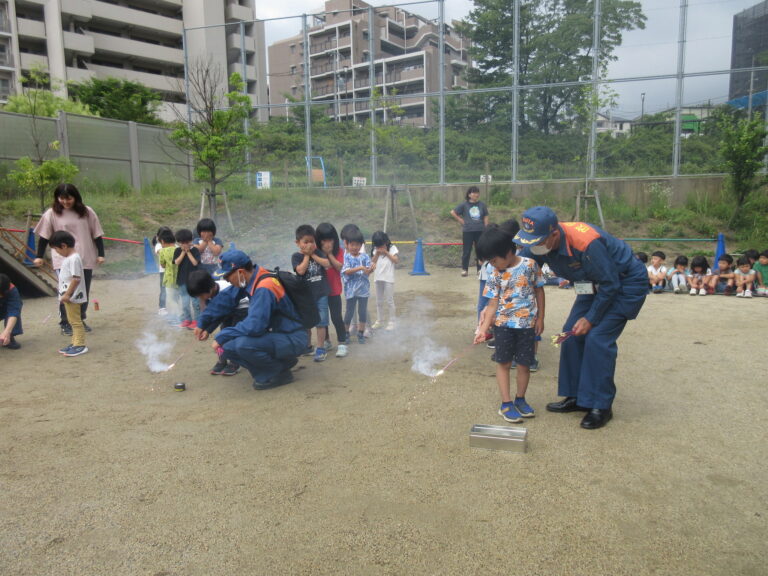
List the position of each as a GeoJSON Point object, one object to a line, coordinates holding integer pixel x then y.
{"type": "Point", "coordinates": [611, 285]}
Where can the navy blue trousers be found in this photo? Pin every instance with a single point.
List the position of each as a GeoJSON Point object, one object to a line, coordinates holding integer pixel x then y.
{"type": "Point", "coordinates": [267, 355]}
{"type": "Point", "coordinates": [588, 363]}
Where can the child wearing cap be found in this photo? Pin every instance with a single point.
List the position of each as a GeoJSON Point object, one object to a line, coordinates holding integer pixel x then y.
{"type": "Point", "coordinates": [515, 289]}
{"type": "Point", "coordinates": [10, 313]}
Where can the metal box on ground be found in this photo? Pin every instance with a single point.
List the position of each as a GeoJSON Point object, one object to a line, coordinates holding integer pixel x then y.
{"type": "Point", "coordinates": [508, 438]}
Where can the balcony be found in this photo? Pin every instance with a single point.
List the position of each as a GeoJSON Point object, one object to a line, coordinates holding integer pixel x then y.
{"type": "Point", "coordinates": [237, 13]}
{"type": "Point", "coordinates": [5, 24]}
{"type": "Point", "coordinates": [132, 50]}
{"type": "Point", "coordinates": [79, 75]}
{"type": "Point", "coordinates": [78, 43]}
{"type": "Point", "coordinates": [6, 59]}
{"type": "Point", "coordinates": [31, 29]}
{"type": "Point", "coordinates": [250, 71]}
{"type": "Point", "coordinates": [154, 81]}
{"type": "Point", "coordinates": [234, 43]}
{"type": "Point", "coordinates": [32, 61]}
{"type": "Point", "coordinates": [128, 18]}
{"type": "Point", "coordinates": [80, 10]}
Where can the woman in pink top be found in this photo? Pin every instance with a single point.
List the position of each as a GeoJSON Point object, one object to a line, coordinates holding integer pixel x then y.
{"type": "Point", "coordinates": [69, 213]}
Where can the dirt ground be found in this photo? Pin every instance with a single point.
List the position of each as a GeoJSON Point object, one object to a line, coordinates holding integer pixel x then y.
{"type": "Point", "coordinates": [363, 466]}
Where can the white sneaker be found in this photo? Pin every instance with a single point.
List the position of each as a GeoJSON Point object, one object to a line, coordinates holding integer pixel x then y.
{"type": "Point", "coordinates": [677, 290]}
{"type": "Point", "coordinates": [740, 295]}
{"type": "Point", "coordinates": [162, 312]}
{"type": "Point", "coordinates": [341, 351]}
{"type": "Point", "coordinates": [702, 292]}
{"type": "Point", "coordinates": [693, 292]}
{"type": "Point", "coordinates": [376, 325]}
{"type": "Point", "coordinates": [747, 293]}
{"type": "Point", "coordinates": [390, 326]}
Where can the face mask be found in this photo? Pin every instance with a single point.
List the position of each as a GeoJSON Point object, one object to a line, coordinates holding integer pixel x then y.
{"type": "Point", "coordinates": [242, 282]}
{"type": "Point", "coordinates": [539, 250]}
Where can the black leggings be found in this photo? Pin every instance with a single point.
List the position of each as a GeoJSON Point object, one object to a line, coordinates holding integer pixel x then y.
{"type": "Point", "coordinates": [334, 307]}
{"type": "Point", "coordinates": [87, 275]}
{"type": "Point", "coordinates": [362, 310]}
{"type": "Point", "coordinates": [469, 239]}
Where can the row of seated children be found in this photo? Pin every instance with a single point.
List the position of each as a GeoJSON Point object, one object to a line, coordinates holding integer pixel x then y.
{"type": "Point", "coordinates": [180, 254]}
{"type": "Point", "coordinates": [746, 278]}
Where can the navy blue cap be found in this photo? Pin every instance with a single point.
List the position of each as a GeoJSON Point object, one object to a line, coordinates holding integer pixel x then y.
{"type": "Point", "coordinates": [536, 224]}
{"type": "Point", "coordinates": [230, 261]}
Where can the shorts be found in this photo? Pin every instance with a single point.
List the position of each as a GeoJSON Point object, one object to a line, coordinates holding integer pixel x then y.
{"type": "Point", "coordinates": [322, 308]}
{"type": "Point", "coordinates": [516, 344]}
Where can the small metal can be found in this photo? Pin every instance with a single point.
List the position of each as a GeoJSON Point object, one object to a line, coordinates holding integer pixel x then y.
{"type": "Point", "coordinates": [179, 386]}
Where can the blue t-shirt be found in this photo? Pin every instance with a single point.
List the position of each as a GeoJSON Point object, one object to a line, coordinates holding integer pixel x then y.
{"type": "Point", "coordinates": [356, 285]}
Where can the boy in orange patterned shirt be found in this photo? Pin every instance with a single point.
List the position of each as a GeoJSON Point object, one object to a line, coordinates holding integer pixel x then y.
{"type": "Point", "coordinates": [516, 311]}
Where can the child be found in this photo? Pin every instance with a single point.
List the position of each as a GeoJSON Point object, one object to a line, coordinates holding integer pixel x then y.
{"type": "Point", "coordinates": [657, 272]}
{"type": "Point", "coordinates": [698, 276]}
{"type": "Point", "coordinates": [678, 276]}
{"type": "Point", "coordinates": [384, 258]}
{"type": "Point", "coordinates": [187, 258]}
{"type": "Point", "coordinates": [723, 278]}
{"type": "Point", "coordinates": [311, 264]}
{"type": "Point", "coordinates": [344, 235]}
{"type": "Point", "coordinates": [327, 239]}
{"type": "Point", "coordinates": [71, 289]}
{"type": "Point", "coordinates": [761, 267]}
{"type": "Point", "coordinates": [208, 244]}
{"type": "Point", "coordinates": [170, 270]}
{"type": "Point", "coordinates": [357, 287]}
{"type": "Point", "coordinates": [10, 312]}
{"type": "Point", "coordinates": [744, 277]}
{"type": "Point", "coordinates": [516, 290]}
{"type": "Point", "coordinates": [162, 231]}
{"type": "Point", "coordinates": [221, 304]}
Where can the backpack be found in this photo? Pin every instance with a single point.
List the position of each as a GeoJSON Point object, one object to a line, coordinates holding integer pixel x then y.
{"type": "Point", "coordinates": [299, 292]}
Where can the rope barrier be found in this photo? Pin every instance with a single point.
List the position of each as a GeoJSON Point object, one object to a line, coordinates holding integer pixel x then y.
{"type": "Point", "coordinates": [105, 237]}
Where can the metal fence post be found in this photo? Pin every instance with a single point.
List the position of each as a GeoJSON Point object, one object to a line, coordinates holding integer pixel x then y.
{"type": "Point", "coordinates": [133, 151]}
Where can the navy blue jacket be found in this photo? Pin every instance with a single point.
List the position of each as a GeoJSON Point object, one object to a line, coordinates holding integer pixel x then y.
{"type": "Point", "coordinates": [589, 254]}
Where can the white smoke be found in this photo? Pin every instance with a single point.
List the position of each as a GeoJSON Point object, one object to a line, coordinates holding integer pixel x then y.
{"type": "Point", "coordinates": [428, 357]}
{"type": "Point", "coordinates": [155, 345]}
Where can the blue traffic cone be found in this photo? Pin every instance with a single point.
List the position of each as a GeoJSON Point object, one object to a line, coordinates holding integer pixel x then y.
{"type": "Point", "coordinates": [150, 266]}
{"type": "Point", "coordinates": [418, 261]}
{"type": "Point", "coordinates": [30, 252]}
{"type": "Point", "coordinates": [720, 250]}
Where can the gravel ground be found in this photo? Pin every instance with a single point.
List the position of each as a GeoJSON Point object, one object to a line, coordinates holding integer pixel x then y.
{"type": "Point", "coordinates": [363, 466]}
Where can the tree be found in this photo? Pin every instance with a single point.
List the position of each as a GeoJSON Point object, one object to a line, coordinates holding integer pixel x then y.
{"type": "Point", "coordinates": [214, 134]}
{"type": "Point", "coordinates": [40, 173]}
{"type": "Point", "coordinates": [119, 99]}
{"type": "Point", "coordinates": [555, 46]}
{"type": "Point", "coordinates": [742, 148]}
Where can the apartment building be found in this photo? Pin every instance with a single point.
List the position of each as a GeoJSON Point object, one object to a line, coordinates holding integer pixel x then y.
{"type": "Point", "coordinates": [749, 47]}
{"type": "Point", "coordinates": [137, 40]}
{"type": "Point", "coordinates": [406, 61]}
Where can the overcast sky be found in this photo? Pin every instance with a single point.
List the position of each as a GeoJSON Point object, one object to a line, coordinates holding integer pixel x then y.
{"type": "Point", "coordinates": [652, 51]}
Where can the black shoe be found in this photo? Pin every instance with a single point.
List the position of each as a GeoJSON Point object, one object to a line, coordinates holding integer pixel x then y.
{"type": "Point", "coordinates": [596, 418]}
{"type": "Point", "coordinates": [13, 345]}
{"type": "Point", "coordinates": [567, 404]}
{"type": "Point", "coordinates": [284, 377]}
{"type": "Point", "coordinates": [66, 329]}
{"type": "Point", "coordinates": [218, 369]}
{"type": "Point", "coordinates": [230, 370]}
{"type": "Point", "coordinates": [87, 328]}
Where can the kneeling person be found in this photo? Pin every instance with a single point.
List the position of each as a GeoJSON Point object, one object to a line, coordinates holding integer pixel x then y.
{"type": "Point", "coordinates": [10, 313]}
{"type": "Point", "coordinates": [220, 304]}
{"type": "Point", "coordinates": [269, 340]}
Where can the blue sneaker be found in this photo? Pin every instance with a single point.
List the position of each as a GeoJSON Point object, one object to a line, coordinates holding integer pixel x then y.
{"type": "Point", "coordinates": [65, 349]}
{"type": "Point", "coordinates": [320, 354]}
{"type": "Point", "coordinates": [523, 408]}
{"type": "Point", "coordinates": [76, 351]}
{"type": "Point", "coordinates": [509, 412]}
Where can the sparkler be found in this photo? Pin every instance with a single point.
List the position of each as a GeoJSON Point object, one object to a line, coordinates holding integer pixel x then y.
{"type": "Point", "coordinates": [558, 339]}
